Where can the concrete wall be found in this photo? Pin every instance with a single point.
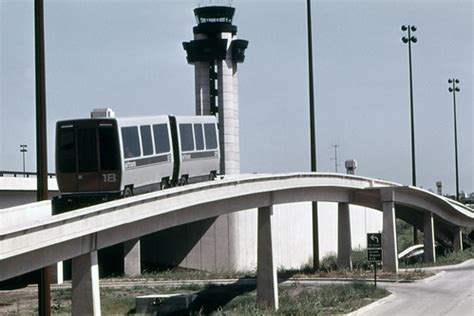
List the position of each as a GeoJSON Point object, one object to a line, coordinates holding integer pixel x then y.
{"type": "Point", "coordinates": [230, 241]}
{"type": "Point", "coordinates": [16, 191]}
{"type": "Point", "coordinates": [17, 184]}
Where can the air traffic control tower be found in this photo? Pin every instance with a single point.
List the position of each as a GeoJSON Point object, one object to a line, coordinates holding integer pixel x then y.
{"type": "Point", "coordinates": [215, 53]}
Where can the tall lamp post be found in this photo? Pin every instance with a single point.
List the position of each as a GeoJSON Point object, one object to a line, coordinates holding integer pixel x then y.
{"type": "Point", "coordinates": [411, 39]}
{"type": "Point", "coordinates": [312, 128]}
{"type": "Point", "coordinates": [453, 89]}
{"type": "Point", "coordinates": [23, 150]}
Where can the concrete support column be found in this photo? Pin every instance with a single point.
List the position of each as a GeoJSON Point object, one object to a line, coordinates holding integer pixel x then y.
{"type": "Point", "coordinates": [132, 259]}
{"type": "Point", "coordinates": [344, 243]}
{"type": "Point", "coordinates": [267, 285]}
{"type": "Point", "coordinates": [428, 239]}
{"type": "Point", "coordinates": [457, 239]}
{"type": "Point", "coordinates": [57, 273]}
{"type": "Point", "coordinates": [389, 243]}
{"type": "Point", "coordinates": [85, 285]}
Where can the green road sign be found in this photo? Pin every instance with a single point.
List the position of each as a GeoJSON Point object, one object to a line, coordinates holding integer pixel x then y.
{"type": "Point", "coordinates": [374, 240]}
{"type": "Point", "coordinates": [374, 255]}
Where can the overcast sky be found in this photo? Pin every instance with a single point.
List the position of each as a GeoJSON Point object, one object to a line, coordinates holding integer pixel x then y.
{"type": "Point", "coordinates": [128, 55]}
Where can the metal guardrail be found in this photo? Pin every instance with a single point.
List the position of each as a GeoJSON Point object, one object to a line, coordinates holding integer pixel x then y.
{"type": "Point", "coordinates": [21, 174]}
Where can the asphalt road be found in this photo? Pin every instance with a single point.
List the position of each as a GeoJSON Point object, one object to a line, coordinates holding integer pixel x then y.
{"type": "Point", "coordinates": [451, 293]}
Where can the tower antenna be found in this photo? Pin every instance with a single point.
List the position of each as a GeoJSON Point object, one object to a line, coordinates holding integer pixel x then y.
{"type": "Point", "coordinates": [336, 161]}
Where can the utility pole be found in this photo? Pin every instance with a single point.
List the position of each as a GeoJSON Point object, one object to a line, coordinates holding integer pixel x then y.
{"type": "Point", "coordinates": [44, 290]}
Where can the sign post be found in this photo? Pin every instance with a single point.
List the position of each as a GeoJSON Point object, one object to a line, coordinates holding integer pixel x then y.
{"type": "Point", "coordinates": [374, 251]}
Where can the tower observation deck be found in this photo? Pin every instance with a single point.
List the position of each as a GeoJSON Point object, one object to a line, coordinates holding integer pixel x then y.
{"type": "Point", "coordinates": [215, 53]}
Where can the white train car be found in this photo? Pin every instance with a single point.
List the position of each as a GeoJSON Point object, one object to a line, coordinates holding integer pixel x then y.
{"type": "Point", "coordinates": [104, 157]}
{"type": "Point", "coordinates": [146, 152]}
{"type": "Point", "coordinates": [198, 148]}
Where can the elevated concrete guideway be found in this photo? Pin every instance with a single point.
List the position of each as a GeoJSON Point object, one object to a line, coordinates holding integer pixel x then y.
{"type": "Point", "coordinates": [52, 239]}
{"type": "Point", "coordinates": [79, 234]}
{"type": "Point", "coordinates": [68, 235]}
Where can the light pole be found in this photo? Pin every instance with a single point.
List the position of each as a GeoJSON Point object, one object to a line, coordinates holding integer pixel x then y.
{"type": "Point", "coordinates": [411, 39]}
{"type": "Point", "coordinates": [23, 150]}
{"type": "Point", "coordinates": [453, 89]}
{"type": "Point", "coordinates": [312, 129]}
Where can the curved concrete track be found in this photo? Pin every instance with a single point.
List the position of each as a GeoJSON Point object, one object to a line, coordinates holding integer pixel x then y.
{"type": "Point", "coordinates": [30, 246]}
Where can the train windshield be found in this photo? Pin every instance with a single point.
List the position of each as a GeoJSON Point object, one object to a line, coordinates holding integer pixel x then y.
{"type": "Point", "coordinates": [88, 148]}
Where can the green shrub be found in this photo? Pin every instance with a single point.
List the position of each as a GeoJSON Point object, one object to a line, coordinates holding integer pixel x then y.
{"type": "Point", "coordinates": [359, 260]}
{"type": "Point", "coordinates": [329, 263]}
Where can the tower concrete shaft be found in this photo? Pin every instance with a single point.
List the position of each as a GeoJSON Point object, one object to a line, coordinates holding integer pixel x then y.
{"type": "Point", "coordinates": [215, 53]}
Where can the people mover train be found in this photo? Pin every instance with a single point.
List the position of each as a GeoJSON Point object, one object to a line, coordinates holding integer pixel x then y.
{"type": "Point", "coordinates": [104, 157]}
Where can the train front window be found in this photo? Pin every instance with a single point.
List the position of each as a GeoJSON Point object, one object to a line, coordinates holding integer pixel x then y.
{"type": "Point", "coordinates": [131, 142]}
{"type": "Point", "coordinates": [109, 154]}
{"type": "Point", "coordinates": [162, 139]}
{"type": "Point", "coordinates": [67, 150]}
{"type": "Point", "coordinates": [186, 135]}
{"type": "Point", "coordinates": [87, 149]}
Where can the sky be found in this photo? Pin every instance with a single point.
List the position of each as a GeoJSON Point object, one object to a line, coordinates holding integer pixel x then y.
{"type": "Point", "coordinates": [128, 55]}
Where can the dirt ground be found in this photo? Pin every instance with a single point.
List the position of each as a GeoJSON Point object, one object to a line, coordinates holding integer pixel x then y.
{"type": "Point", "coordinates": [19, 301]}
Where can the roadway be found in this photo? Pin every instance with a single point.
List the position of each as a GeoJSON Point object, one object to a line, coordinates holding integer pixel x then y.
{"type": "Point", "coordinates": [450, 293]}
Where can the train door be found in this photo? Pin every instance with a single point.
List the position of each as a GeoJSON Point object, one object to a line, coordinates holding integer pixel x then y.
{"type": "Point", "coordinates": [109, 157]}
{"type": "Point", "coordinates": [88, 177]}
{"type": "Point", "coordinates": [66, 158]}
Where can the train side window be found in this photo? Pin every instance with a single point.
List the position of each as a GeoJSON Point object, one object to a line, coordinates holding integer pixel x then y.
{"type": "Point", "coordinates": [109, 154]}
{"type": "Point", "coordinates": [199, 137]}
{"type": "Point", "coordinates": [186, 135]}
{"type": "Point", "coordinates": [87, 149]}
{"type": "Point", "coordinates": [211, 137]}
{"type": "Point", "coordinates": [162, 139]}
{"type": "Point", "coordinates": [67, 150]}
{"type": "Point", "coordinates": [131, 142]}
{"type": "Point", "coordinates": [147, 142]}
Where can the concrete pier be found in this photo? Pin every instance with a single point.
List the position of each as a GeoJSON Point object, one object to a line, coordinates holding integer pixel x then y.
{"type": "Point", "coordinates": [85, 285]}
{"type": "Point", "coordinates": [132, 259]}
{"type": "Point", "coordinates": [344, 242]}
{"type": "Point", "coordinates": [457, 239]}
{"type": "Point", "coordinates": [389, 234]}
{"type": "Point", "coordinates": [429, 254]}
{"type": "Point", "coordinates": [267, 283]}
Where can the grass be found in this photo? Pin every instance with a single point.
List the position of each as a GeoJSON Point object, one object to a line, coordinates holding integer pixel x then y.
{"type": "Point", "coordinates": [239, 300]}
{"type": "Point", "coordinates": [116, 301]}
{"type": "Point", "coordinates": [322, 300]}
{"type": "Point", "coordinates": [362, 269]}
{"type": "Point", "coordinates": [190, 274]}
